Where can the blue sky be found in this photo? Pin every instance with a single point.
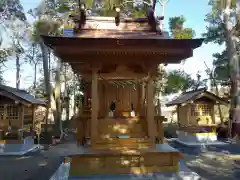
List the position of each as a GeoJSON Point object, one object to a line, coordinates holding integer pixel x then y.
{"type": "Point", "coordinates": [193, 10]}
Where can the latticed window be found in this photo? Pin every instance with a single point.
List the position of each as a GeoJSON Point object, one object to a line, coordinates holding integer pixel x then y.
{"type": "Point", "coordinates": [12, 112]}
{"type": "Point", "coordinates": [27, 116]}
{"type": "Point", "coordinates": [200, 110]}
{"type": "Point", "coordinates": [1, 111]}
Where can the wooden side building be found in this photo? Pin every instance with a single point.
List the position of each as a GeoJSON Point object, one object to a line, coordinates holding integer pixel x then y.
{"type": "Point", "coordinates": [17, 109]}
{"type": "Point", "coordinates": [196, 117]}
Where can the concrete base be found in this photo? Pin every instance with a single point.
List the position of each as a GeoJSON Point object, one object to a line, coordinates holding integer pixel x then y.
{"type": "Point", "coordinates": [18, 149]}
{"type": "Point", "coordinates": [183, 174]}
{"type": "Point", "coordinates": [197, 139]}
{"type": "Point", "coordinates": [199, 143]}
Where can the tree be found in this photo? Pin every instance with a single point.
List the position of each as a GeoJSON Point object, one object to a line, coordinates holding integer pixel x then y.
{"type": "Point", "coordinates": [9, 8]}
{"type": "Point", "coordinates": [216, 34]}
{"type": "Point", "coordinates": [180, 81]}
{"type": "Point", "coordinates": [129, 8]}
{"type": "Point", "coordinates": [211, 74]}
{"type": "Point", "coordinates": [221, 64]}
{"type": "Point", "coordinates": [45, 25]}
{"type": "Point", "coordinates": [18, 30]}
{"type": "Point", "coordinates": [176, 26]}
{"type": "Point", "coordinates": [39, 91]}
{"type": "Point", "coordinates": [221, 30]}
{"type": "Point", "coordinates": [34, 57]}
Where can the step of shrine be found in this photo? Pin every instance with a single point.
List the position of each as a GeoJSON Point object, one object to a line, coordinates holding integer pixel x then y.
{"type": "Point", "coordinates": [121, 143]}
{"type": "Point", "coordinates": [163, 158]}
{"type": "Point", "coordinates": [183, 174]}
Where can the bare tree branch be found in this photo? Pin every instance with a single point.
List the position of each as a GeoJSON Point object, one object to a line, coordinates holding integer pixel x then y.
{"type": "Point", "coordinates": [163, 3]}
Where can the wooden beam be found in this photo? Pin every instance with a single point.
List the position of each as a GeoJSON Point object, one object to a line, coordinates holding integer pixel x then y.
{"type": "Point", "coordinates": [122, 59]}
{"type": "Point", "coordinates": [103, 48]}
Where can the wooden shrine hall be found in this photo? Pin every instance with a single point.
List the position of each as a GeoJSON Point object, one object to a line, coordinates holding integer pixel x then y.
{"type": "Point", "coordinates": [109, 52]}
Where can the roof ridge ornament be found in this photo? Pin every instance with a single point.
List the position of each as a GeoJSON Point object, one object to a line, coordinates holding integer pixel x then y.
{"type": "Point", "coordinates": [82, 10]}
{"type": "Point", "coordinates": [155, 22]}
{"type": "Point", "coordinates": [117, 16]}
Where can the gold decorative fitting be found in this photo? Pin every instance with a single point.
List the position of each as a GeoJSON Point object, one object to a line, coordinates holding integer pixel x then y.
{"type": "Point", "coordinates": [119, 43]}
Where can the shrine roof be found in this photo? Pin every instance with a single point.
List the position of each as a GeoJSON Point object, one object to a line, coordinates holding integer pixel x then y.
{"type": "Point", "coordinates": [105, 30]}
{"type": "Point", "coordinates": [131, 41]}
{"type": "Point", "coordinates": [21, 95]}
{"type": "Point", "coordinates": [194, 95]}
{"type": "Point", "coordinates": [134, 38]}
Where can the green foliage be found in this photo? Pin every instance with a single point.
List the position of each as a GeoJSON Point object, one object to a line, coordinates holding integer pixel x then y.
{"type": "Point", "coordinates": [176, 26]}
{"type": "Point", "coordinates": [4, 54]}
{"type": "Point", "coordinates": [215, 28]}
{"type": "Point", "coordinates": [39, 91]}
{"type": "Point", "coordinates": [215, 34]}
{"type": "Point", "coordinates": [220, 62]}
{"type": "Point", "coordinates": [45, 27]}
{"type": "Point", "coordinates": [178, 80]}
{"type": "Point", "coordinates": [9, 8]}
{"type": "Point", "coordinates": [107, 8]}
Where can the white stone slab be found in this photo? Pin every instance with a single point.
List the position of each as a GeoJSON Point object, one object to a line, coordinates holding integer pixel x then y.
{"type": "Point", "coordinates": [199, 143]}
{"type": "Point", "coordinates": [200, 137]}
{"type": "Point", "coordinates": [19, 153]}
{"type": "Point", "coordinates": [18, 149]}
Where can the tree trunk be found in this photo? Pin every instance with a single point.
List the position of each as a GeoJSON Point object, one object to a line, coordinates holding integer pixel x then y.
{"type": "Point", "coordinates": [46, 79]}
{"type": "Point", "coordinates": [66, 94]}
{"type": "Point", "coordinates": [218, 105]}
{"type": "Point", "coordinates": [234, 71]}
{"type": "Point", "coordinates": [17, 71]}
{"type": "Point", "coordinates": [35, 69]}
{"type": "Point", "coordinates": [57, 92]}
{"type": "Point", "coordinates": [35, 76]}
{"type": "Point", "coordinates": [74, 97]}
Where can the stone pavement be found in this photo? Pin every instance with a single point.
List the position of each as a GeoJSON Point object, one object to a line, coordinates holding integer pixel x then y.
{"type": "Point", "coordinates": [211, 163]}
{"type": "Point", "coordinates": [220, 162]}
{"type": "Point", "coordinates": [39, 165]}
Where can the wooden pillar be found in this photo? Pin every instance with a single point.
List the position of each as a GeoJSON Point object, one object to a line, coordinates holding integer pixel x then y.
{"type": "Point", "coordinates": [178, 115]}
{"type": "Point", "coordinates": [160, 130]}
{"type": "Point", "coordinates": [33, 116]}
{"type": "Point", "coordinates": [94, 113]}
{"type": "Point", "coordinates": [213, 114]}
{"type": "Point", "coordinates": [85, 97]}
{"type": "Point", "coordinates": [142, 100]}
{"type": "Point", "coordinates": [21, 115]}
{"type": "Point", "coordinates": [139, 103]}
{"type": "Point", "coordinates": [188, 114]}
{"type": "Point", "coordinates": [150, 109]}
{"type": "Point", "coordinates": [5, 112]}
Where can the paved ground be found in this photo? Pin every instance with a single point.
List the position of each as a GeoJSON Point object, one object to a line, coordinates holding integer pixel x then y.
{"type": "Point", "coordinates": [39, 165]}
{"type": "Point", "coordinates": [34, 166]}
{"type": "Point", "coordinates": [211, 163]}
{"type": "Point", "coordinates": [220, 162]}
